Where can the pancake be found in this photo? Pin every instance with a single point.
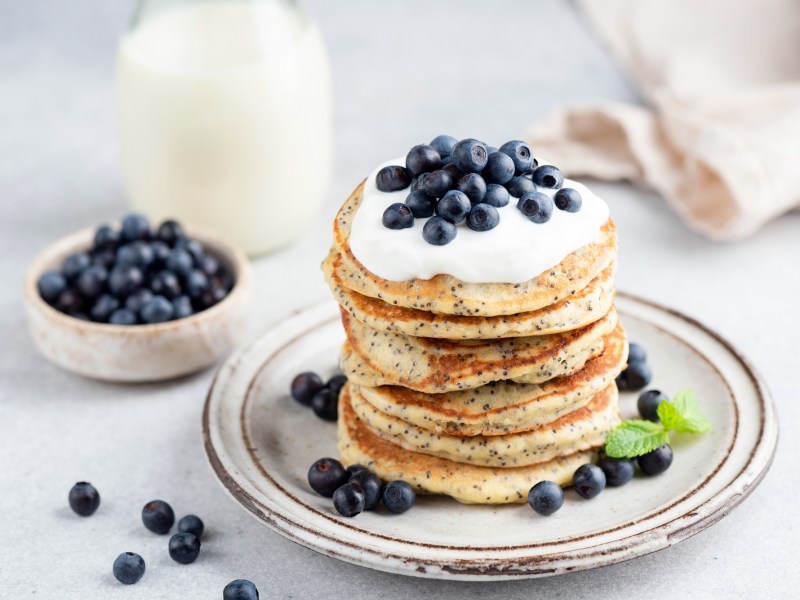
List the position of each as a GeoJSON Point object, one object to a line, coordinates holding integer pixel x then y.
{"type": "Point", "coordinates": [582, 429]}
{"type": "Point", "coordinates": [374, 358]}
{"type": "Point", "coordinates": [432, 475]}
{"type": "Point", "coordinates": [573, 312]}
{"type": "Point", "coordinates": [449, 295]}
{"type": "Point", "coordinates": [503, 407]}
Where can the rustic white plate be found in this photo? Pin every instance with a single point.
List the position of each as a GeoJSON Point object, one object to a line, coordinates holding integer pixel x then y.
{"type": "Point", "coordinates": [260, 444]}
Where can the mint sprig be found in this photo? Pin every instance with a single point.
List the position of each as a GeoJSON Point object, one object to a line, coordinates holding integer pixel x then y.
{"type": "Point", "coordinates": [635, 437]}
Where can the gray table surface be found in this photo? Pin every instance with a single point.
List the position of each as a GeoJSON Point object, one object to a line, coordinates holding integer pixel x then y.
{"type": "Point", "coordinates": [404, 71]}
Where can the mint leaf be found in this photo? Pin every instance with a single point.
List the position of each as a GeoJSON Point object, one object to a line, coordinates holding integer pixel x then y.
{"type": "Point", "coordinates": [683, 414]}
{"type": "Point", "coordinates": [635, 437]}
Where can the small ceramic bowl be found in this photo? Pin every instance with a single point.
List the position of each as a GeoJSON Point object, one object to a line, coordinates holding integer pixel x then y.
{"type": "Point", "coordinates": [139, 352]}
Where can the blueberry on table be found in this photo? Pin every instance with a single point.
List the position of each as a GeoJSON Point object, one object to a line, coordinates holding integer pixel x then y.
{"type": "Point", "coordinates": [327, 475]}
{"type": "Point", "coordinates": [520, 153]}
{"type": "Point", "coordinates": [636, 353]}
{"type": "Point", "coordinates": [128, 568]}
{"type": "Point", "coordinates": [548, 176]}
{"type": "Point", "coordinates": [240, 589]}
{"type": "Point", "coordinates": [444, 144]}
{"type": "Point", "coordinates": [103, 308]}
{"type": "Point", "coordinates": [182, 306]}
{"type": "Point", "coordinates": [84, 498]}
{"type": "Point", "coordinates": [589, 480]}
{"type": "Point", "coordinates": [165, 283]}
{"type": "Point", "coordinates": [520, 185]}
{"type": "Point", "coordinates": [437, 183]}
{"type": "Point", "coordinates": [538, 207]}
{"type": "Point", "coordinates": [423, 158]}
{"type": "Point", "coordinates": [135, 227]}
{"type": "Point", "coordinates": [370, 485]}
{"type": "Point", "coordinates": [325, 404]}
{"type": "Point", "coordinates": [648, 404]}
{"type": "Point", "coordinates": [398, 496]}
{"type": "Point", "coordinates": [70, 301]}
{"type": "Point", "coordinates": [568, 199]}
{"type": "Point", "coordinates": [124, 280]}
{"type": "Point", "coordinates": [336, 383]}
{"type": "Point", "coordinates": [421, 205]}
{"type": "Point", "coordinates": [398, 216]}
{"type": "Point", "coordinates": [618, 471]}
{"type": "Point", "coordinates": [636, 377]}
{"type": "Point", "coordinates": [191, 524]}
{"type": "Point", "coordinates": [304, 386]}
{"type": "Point", "coordinates": [349, 500]}
{"type": "Point", "coordinates": [106, 238]}
{"type": "Point", "coordinates": [51, 285]}
{"type": "Point", "coordinates": [393, 178]}
{"type": "Point", "coordinates": [499, 168]}
{"type": "Point", "coordinates": [123, 316]}
{"type": "Point", "coordinates": [657, 461]}
{"type": "Point", "coordinates": [196, 284]}
{"type": "Point", "coordinates": [483, 217]}
{"type": "Point", "coordinates": [74, 265]}
{"type": "Point", "coordinates": [184, 548]}
{"type": "Point", "coordinates": [158, 516]}
{"type": "Point", "coordinates": [157, 310]}
{"type": "Point", "coordinates": [438, 232]}
{"type": "Point", "coordinates": [546, 497]}
{"type": "Point", "coordinates": [180, 261]}
{"type": "Point", "coordinates": [138, 299]}
{"type": "Point", "coordinates": [496, 195]}
{"type": "Point", "coordinates": [473, 186]}
{"type": "Point", "coordinates": [92, 282]}
{"type": "Point", "coordinates": [170, 232]}
{"type": "Point", "coordinates": [454, 206]}
{"type": "Point", "coordinates": [470, 155]}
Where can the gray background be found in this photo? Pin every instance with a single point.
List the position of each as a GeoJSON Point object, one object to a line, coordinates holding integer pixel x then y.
{"type": "Point", "coordinates": [404, 71]}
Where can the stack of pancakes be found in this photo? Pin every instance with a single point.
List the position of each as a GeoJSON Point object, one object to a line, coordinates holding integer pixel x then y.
{"type": "Point", "coordinates": [474, 390]}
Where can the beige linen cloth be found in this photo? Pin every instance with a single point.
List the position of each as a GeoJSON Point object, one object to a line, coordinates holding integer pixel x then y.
{"type": "Point", "coordinates": [720, 139]}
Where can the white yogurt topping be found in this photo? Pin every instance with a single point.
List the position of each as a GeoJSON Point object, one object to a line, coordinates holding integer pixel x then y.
{"type": "Point", "coordinates": [515, 251]}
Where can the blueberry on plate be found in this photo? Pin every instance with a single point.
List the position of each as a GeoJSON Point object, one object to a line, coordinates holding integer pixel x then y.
{"type": "Point", "coordinates": [454, 206]}
{"type": "Point", "coordinates": [546, 497]}
{"type": "Point", "coordinates": [657, 461]}
{"type": "Point", "coordinates": [157, 310]}
{"type": "Point", "coordinates": [191, 524]}
{"type": "Point", "coordinates": [648, 404]}
{"type": "Point", "coordinates": [589, 480]}
{"type": "Point", "coordinates": [547, 176]}
{"type": "Point", "coordinates": [470, 155]}
{"type": "Point", "coordinates": [327, 475]}
{"type": "Point", "coordinates": [483, 217]}
{"type": "Point", "coordinates": [106, 238]}
{"type": "Point", "coordinates": [398, 216]}
{"type": "Point", "coordinates": [353, 469]}
{"type": "Point", "coordinates": [304, 386]}
{"type": "Point", "coordinates": [398, 496]}
{"type": "Point", "coordinates": [123, 316]}
{"type": "Point", "coordinates": [182, 305]}
{"type": "Point", "coordinates": [325, 404]}
{"type": "Point", "coordinates": [103, 308]}
{"type": "Point", "coordinates": [520, 153]}
{"type": "Point", "coordinates": [636, 353]}
{"type": "Point", "coordinates": [568, 199]}
{"type": "Point", "coordinates": [240, 589]}
{"type": "Point", "coordinates": [499, 168]}
{"type": "Point", "coordinates": [158, 516]}
{"type": "Point", "coordinates": [135, 227]}
{"type": "Point", "coordinates": [423, 159]}
{"type": "Point", "coordinates": [636, 377]}
{"type": "Point", "coordinates": [92, 282]}
{"type": "Point", "coordinates": [84, 498]}
{"type": "Point", "coordinates": [438, 232]}
{"type": "Point", "coordinates": [538, 207]}
{"type": "Point", "coordinates": [170, 232]}
{"type": "Point", "coordinates": [618, 471]}
{"type": "Point", "coordinates": [128, 568]}
{"type": "Point", "coordinates": [51, 285]}
{"type": "Point", "coordinates": [184, 548]}
{"type": "Point", "coordinates": [393, 178]}
{"type": "Point", "coordinates": [370, 485]}
{"type": "Point", "coordinates": [74, 265]}
{"type": "Point", "coordinates": [437, 183]}
{"type": "Point", "coordinates": [444, 144]}
{"type": "Point", "coordinates": [349, 500]}
{"type": "Point", "coordinates": [165, 283]}
{"type": "Point", "coordinates": [496, 195]}
{"type": "Point", "coordinates": [336, 383]}
{"type": "Point", "coordinates": [137, 299]}
{"type": "Point", "coordinates": [520, 185]}
{"type": "Point", "coordinates": [180, 261]}
{"type": "Point", "coordinates": [473, 186]}
{"type": "Point", "coordinates": [124, 280]}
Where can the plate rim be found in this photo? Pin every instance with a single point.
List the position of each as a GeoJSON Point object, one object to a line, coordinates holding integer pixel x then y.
{"type": "Point", "coordinates": [637, 544]}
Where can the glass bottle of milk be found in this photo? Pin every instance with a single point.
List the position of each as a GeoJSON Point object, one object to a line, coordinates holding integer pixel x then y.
{"type": "Point", "coordinates": [225, 112]}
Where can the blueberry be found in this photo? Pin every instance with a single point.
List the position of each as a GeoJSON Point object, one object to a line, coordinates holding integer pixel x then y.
{"type": "Point", "coordinates": [618, 471]}
{"type": "Point", "coordinates": [160, 252]}
{"type": "Point", "coordinates": [568, 199]}
{"type": "Point", "coordinates": [421, 205]}
{"type": "Point", "coordinates": [157, 310]}
{"type": "Point", "coordinates": [124, 280]}
{"type": "Point", "coordinates": [182, 306]}
{"type": "Point", "coordinates": [438, 231]}
{"type": "Point", "coordinates": [193, 247]}
{"type": "Point", "coordinates": [470, 155]}
{"type": "Point", "coordinates": [657, 461]}
{"type": "Point", "coordinates": [240, 589]}
{"type": "Point", "coordinates": [520, 185]}
{"type": "Point", "coordinates": [325, 404]}
{"type": "Point", "coordinates": [353, 469]}
{"type": "Point", "coordinates": [170, 232]}
{"type": "Point", "coordinates": [106, 238]}
{"type": "Point", "coordinates": [520, 154]}
{"type": "Point", "coordinates": [454, 172]}
{"type": "Point", "coordinates": [336, 383]}
{"type": "Point", "coordinates": [422, 159]}
{"type": "Point", "coordinates": [84, 498]}
{"type": "Point", "coordinates": [437, 184]}
{"type": "Point", "coordinates": [648, 404]}
{"type": "Point", "coordinates": [135, 227]}
{"type": "Point", "coordinates": [103, 308]}
{"type": "Point", "coordinates": [209, 265]}
{"type": "Point", "coordinates": [180, 261]}
{"type": "Point", "coordinates": [128, 568]}
{"type": "Point", "coordinates": [349, 500]}
{"type": "Point", "coordinates": [499, 168]}
{"type": "Point", "coordinates": [158, 516]}
{"type": "Point", "coordinates": [636, 353]}
{"type": "Point", "coordinates": [304, 386]}
{"type": "Point", "coordinates": [210, 297]}
{"type": "Point", "coordinates": [74, 265]}
{"type": "Point", "coordinates": [454, 206]}
{"type": "Point", "coordinates": [548, 176]}
{"type": "Point", "coordinates": [92, 282]}
{"type": "Point", "coordinates": [138, 254]}
{"type": "Point", "coordinates": [191, 524]}
{"type": "Point", "coordinates": [184, 548]}
{"type": "Point", "coordinates": [370, 485]}
{"type": "Point", "coordinates": [546, 498]}
{"type": "Point", "coordinates": [496, 195]}
{"type": "Point", "coordinates": [538, 207]}
{"type": "Point", "coordinates": [398, 216]}
{"type": "Point", "coordinates": [70, 301]}
{"type": "Point", "coordinates": [473, 186]}
{"type": "Point", "coordinates": [393, 178]}
{"type": "Point", "coordinates": [104, 258]}
{"type": "Point", "coordinates": [327, 475]}
{"type": "Point", "coordinates": [444, 144]}
{"type": "Point", "coordinates": [636, 377]}
{"type": "Point", "coordinates": [483, 217]}
{"type": "Point", "coordinates": [51, 285]}
{"type": "Point", "coordinates": [197, 284]}
{"type": "Point", "coordinates": [589, 480]}
{"type": "Point", "coordinates": [417, 183]}
{"type": "Point", "coordinates": [398, 496]}
{"type": "Point", "coordinates": [165, 283]}
{"type": "Point", "coordinates": [137, 299]}
{"type": "Point", "coordinates": [123, 316]}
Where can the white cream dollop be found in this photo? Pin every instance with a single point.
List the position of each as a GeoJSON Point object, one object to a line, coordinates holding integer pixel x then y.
{"type": "Point", "coordinates": [515, 251]}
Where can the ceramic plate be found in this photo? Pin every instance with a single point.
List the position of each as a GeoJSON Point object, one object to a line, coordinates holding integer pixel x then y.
{"type": "Point", "coordinates": [260, 444]}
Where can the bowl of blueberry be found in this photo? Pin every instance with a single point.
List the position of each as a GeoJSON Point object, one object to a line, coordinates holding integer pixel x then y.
{"type": "Point", "coordinates": [138, 302]}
